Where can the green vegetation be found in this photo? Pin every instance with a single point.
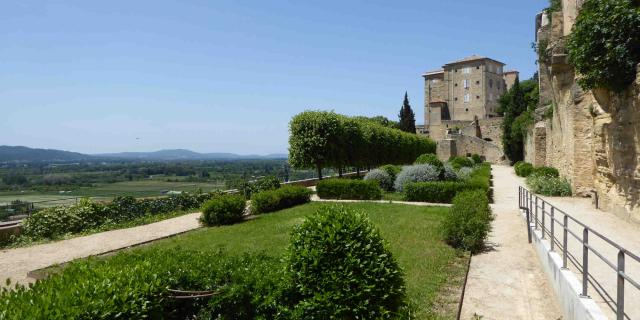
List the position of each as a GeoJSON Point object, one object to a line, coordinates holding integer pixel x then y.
{"type": "Point", "coordinates": [546, 171]}
{"type": "Point", "coordinates": [476, 158]}
{"type": "Point", "coordinates": [243, 263]}
{"type": "Point", "coordinates": [282, 198]}
{"type": "Point", "coordinates": [603, 45]}
{"type": "Point", "coordinates": [468, 223]}
{"type": "Point", "coordinates": [320, 139]}
{"type": "Point", "coordinates": [548, 184]}
{"type": "Point", "coordinates": [445, 191]}
{"type": "Point", "coordinates": [381, 177]}
{"type": "Point", "coordinates": [88, 216]}
{"type": "Point", "coordinates": [407, 117]}
{"type": "Point", "coordinates": [517, 106]}
{"type": "Point", "coordinates": [342, 269]}
{"type": "Point", "coordinates": [225, 209]}
{"type": "Point", "coordinates": [459, 162]}
{"type": "Point", "coordinates": [348, 189]}
{"type": "Point", "coordinates": [416, 173]}
{"type": "Point", "coordinates": [523, 169]}
{"type": "Point", "coordinates": [429, 158]}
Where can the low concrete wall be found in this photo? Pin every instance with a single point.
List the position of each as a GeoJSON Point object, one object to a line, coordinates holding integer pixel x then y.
{"type": "Point", "coordinates": [565, 284]}
{"type": "Point", "coordinates": [9, 229]}
{"type": "Point", "coordinates": [313, 181]}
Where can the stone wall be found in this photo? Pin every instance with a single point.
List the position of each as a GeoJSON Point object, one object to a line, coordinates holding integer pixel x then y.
{"type": "Point", "coordinates": [593, 137]}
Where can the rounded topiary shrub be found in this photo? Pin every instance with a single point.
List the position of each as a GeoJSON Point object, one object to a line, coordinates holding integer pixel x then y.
{"type": "Point", "coordinates": [603, 45]}
{"type": "Point", "coordinates": [524, 169]}
{"type": "Point", "coordinates": [448, 173]}
{"type": "Point", "coordinates": [383, 179]}
{"type": "Point", "coordinates": [392, 170]}
{"type": "Point", "coordinates": [429, 158]}
{"type": "Point", "coordinates": [459, 162]}
{"type": "Point", "coordinates": [225, 209]}
{"type": "Point", "coordinates": [416, 173]}
{"type": "Point", "coordinates": [341, 268]}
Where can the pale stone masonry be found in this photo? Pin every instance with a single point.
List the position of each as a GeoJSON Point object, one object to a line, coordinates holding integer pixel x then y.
{"type": "Point", "coordinates": [461, 101]}
{"type": "Point", "coordinates": [592, 136]}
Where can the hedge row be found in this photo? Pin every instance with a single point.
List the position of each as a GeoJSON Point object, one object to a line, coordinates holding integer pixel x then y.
{"type": "Point", "coordinates": [320, 139]}
{"type": "Point", "coordinates": [274, 200]}
{"type": "Point", "coordinates": [56, 221]}
{"type": "Point", "coordinates": [468, 223]}
{"type": "Point", "coordinates": [524, 169]}
{"type": "Point", "coordinates": [349, 189]}
{"type": "Point", "coordinates": [445, 191]}
{"type": "Point", "coordinates": [135, 286]}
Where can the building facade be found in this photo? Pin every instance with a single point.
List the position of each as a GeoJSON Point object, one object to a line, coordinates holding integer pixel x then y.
{"type": "Point", "coordinates": [464, 94]}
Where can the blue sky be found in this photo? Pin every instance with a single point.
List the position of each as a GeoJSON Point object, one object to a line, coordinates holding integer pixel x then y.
{"type": "Point", "coordinates": [226, 76]}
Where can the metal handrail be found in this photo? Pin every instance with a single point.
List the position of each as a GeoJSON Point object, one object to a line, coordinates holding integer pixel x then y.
{"type": "Point", "coordinates": [536, 213]}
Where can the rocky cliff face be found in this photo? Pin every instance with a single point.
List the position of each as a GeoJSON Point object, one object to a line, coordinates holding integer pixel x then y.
{"type": "Point", "coordinates": [592, 137]}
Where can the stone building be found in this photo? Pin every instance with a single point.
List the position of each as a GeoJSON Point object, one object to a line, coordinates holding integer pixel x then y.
{"type": "Point", "coordinates": [461, 99]}
{"type": "Point", "coordinates": [592, 136]}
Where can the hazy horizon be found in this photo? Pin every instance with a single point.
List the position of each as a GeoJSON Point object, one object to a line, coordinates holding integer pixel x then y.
{"type": "Point", "coordinates": [227, 76]}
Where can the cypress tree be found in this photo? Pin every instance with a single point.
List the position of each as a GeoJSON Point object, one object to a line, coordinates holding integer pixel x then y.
{"type": "Point", "coordinates": [407, 117]}
{"type": "Point", "coordinates": [512, 141]}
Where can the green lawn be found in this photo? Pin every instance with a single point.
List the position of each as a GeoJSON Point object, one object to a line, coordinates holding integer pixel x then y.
{"type": "Point", "coordinates": [434, 271]}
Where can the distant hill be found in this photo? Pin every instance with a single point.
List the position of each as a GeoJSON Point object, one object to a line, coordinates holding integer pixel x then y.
{"type": "Point", "coordinates": [26, 154]}
{"type": "Point", "coordinates": [183, 154]}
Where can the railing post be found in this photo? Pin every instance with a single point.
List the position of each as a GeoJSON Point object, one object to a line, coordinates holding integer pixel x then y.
{"type": "Point", "coordinates": [620, 300]}
{"type": "Point", "coordinates": [543, 236]}
{"type": "Point", "coordinates": [553, 223]}
{"type": "Point", "coordinates": [564, 241]}
{"type": "Point", "coordinates": [585, 261]}
{"type": "Point", "coordinates": [536, 212]}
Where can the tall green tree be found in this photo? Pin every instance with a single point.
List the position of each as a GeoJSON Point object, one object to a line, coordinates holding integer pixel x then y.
{"type": "Point", "coordinates": [407, 117]}
{"type": "Point", "coordinates": [513, 105]}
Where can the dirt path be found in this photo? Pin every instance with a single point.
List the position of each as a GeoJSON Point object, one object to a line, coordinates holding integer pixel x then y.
{"type": "Point", "coordinates": [17, 263]}
{"type": "Point", "coordinates": [507, 281]}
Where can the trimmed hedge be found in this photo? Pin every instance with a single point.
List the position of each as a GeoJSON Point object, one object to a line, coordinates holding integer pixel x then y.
{"type": "Point", "coordinates": [468, 222]}
{"type": "Point", "coordinates": [133, 285]}
{"type": "Point", "coordinates": [341, 268]}
{"type": "Point", "coordinates": [226, 209]}
{"type": "Point", "coordinates": [274, 200]}
{"type": "Point", "coordinates": [523, 169]}
{"type": "Point", "coordinates": [348, 189]}
{"type": "Point", "coordinates": [445, 191]}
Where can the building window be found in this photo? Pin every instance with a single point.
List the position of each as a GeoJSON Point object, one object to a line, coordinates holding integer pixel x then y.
{"type": "Point", "coordinates": [490, 96]}
{"type": "Point", "coordinates": [466, 70]}
{"type": "Point", "coordinates": [478, 67]}
{"type": "Point", "coordinates": [490, 83]}
{"type": "Point", "coordinates": [499, 70]}
{"type": "Point", "coordinates": [467, 109]}
{"type": "Point", "coordinates": [466, 97]}
{"type": "Point", "coordinates": [466, 83]}
{"type": "Point", "coordinates": [477, 97]}
{"type": "Point", "coordinates": [455, 99]}
{"type": "Point", "coordinates": [477, 81]}
{"type": "Point", "coordinates": [456, 84]}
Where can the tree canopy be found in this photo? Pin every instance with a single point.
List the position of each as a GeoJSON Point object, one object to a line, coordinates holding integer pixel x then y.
{"type": "Point", "coordinates": [321, 139]}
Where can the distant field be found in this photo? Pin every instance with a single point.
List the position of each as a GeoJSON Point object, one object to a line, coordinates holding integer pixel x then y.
{"type": "Point", "coordinates": [142, 188]}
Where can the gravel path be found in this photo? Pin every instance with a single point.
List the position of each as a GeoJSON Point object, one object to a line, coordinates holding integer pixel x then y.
{"type": "Point", "coordinates": [17, 263]}
{"type": "Point", "coordinates": [507, 281]}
